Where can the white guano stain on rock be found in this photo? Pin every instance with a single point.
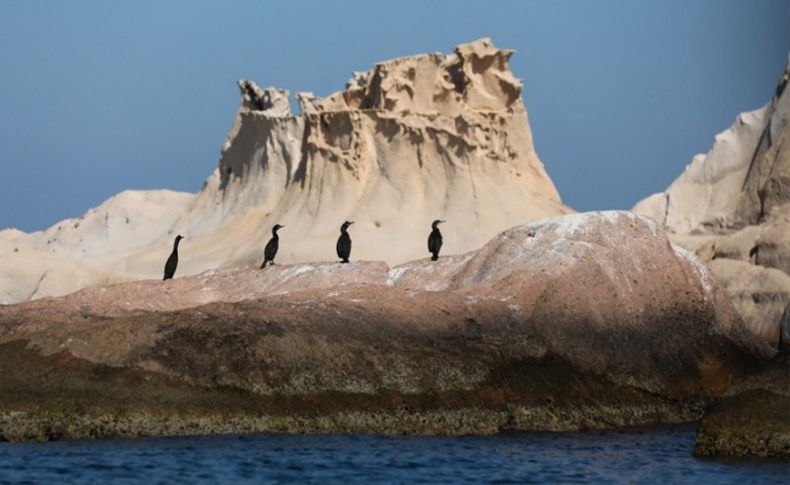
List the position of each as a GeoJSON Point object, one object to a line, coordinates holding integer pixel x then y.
{"type": "Point", "coordinates": [704, 273]}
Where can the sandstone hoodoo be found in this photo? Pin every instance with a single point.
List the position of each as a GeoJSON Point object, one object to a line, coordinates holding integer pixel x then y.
{"type": "Point", "coordinates": [583, 321]}
{"type": "Point", "coordinates": [431, 136]}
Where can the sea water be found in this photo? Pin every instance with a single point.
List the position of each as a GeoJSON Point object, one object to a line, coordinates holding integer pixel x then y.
{"type": "Point", "coordinates": [630, 456]}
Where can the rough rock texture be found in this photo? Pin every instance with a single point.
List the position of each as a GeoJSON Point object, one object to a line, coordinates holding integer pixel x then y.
{"type": "Point", "coordinates": [590, 320]}
{"type": "Point", "coordinates": [759, 294]}
{"type": "Point", "coordinates": [752, 419]}
{"type": "Point", "coordinates": [412, 140]}
{"type": "Point", "coordinates": [732, 207]}
{"type": "Point", "coordinates": [767, 184]}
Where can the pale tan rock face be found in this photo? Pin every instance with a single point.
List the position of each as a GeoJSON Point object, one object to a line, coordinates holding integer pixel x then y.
{"type": "Point", "coordinates": [767, 186]}
{"type": "Point", "coordinates": [412, 140]}
{"type": "Point", "coordinates": [758, 293]}
{"type": "Point", "coordinates": [742, 180]}
{"type": "Point", "coordinates": [732, 207]}
{"type": "Point", "coordinates": [707, 191]}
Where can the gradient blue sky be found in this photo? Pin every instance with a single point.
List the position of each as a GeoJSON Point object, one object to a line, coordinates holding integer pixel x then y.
{"type": "Point", "coordinates": [101, 96]}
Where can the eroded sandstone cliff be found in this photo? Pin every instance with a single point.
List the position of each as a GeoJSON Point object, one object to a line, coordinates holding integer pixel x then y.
{"type": "Point", "coordinates": [412, 140]}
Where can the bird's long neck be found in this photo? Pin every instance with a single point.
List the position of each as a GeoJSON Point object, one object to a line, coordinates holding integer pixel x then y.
{"type": "Point", "coordinates": [274, 233]}
{"type": "Point", "coordinates": [435, 226]}
{"type": "Point", "coordinates": [343, 230]}
{"type": "Point", "coordinates": [175, 245]}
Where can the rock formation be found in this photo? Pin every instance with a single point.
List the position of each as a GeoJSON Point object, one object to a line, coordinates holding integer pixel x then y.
{"type": "Point", "coordinates": [583, 321]}
{"type": "Point", "coordinates": [732, 207]}
{"type": "Point", "coordinates": [412, 140]}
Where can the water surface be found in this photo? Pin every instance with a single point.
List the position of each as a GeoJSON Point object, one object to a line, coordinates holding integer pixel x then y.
{"type": "Point", "coordinates": [631, 456]}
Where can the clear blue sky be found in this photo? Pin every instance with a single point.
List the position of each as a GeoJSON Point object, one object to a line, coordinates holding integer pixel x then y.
{"type": "Point", "coordinates": [101, 96]}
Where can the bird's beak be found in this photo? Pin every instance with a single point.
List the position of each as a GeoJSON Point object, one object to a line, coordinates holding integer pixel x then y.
{"type": "Point", "coordinates": [350, 222]}
{"type": "Point", "coordinates": [442, 222]}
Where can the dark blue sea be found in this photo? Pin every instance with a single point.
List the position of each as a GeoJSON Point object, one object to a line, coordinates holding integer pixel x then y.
{"type": "Point", "coordinates": [630, 456]}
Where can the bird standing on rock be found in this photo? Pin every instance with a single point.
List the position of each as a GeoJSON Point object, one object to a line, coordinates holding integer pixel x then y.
{"type": "Point", "coordinates": [344, 242]}
{"type": "Point", "coordinates": [271, 247]}
{"type": "Point", "coordinates": [435, 240]}
{"type": "Point", "coordinates": [172, 261]}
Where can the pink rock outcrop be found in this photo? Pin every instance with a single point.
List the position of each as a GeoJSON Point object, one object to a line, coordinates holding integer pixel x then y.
{"type": "Point", "coordinates": [589, 320]}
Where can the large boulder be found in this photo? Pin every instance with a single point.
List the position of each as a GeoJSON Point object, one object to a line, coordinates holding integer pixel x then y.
{"type": "Point", "coordinates": [591, 320]}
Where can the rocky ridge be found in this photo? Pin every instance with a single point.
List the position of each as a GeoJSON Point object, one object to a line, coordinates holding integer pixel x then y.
{"type": "Point", "coordinates": [535, 330]}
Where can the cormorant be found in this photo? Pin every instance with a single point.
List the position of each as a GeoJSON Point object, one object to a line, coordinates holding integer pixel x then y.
{"type": "Point", "coordinates": [172, 261]}
{"type": "Point", "coordinates": [435, 240]}
{"type": "Point", "coordinates": [344, 243]}
{"type": "Point", "coordinates": [271, 247]}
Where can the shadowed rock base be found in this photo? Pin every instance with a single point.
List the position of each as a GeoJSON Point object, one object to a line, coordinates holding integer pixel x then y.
{"type": "Point", "coordinates": [753, 422]}
{"type": "Point", "coordinates": [62, 397]}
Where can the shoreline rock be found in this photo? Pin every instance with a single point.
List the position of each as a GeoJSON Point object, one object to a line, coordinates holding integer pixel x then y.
{"type": "Point", "coordinates": [751, 420]}
{"type": "Point", "coordinates": [584, 321]}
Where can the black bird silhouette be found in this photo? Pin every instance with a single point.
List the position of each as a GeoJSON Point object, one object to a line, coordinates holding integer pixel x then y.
{"type": "Point", "coordinates": [435, 240]}
{"type": "Point", "coordinates": [344, 243]}
{"type": "Point", "coordinates": [271, 247]}
{"type": "Point", "coordinates": [172, 261]}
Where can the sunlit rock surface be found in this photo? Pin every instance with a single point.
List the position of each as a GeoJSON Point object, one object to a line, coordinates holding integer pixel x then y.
{"type": "Point", "coordinates": [414, 139]}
